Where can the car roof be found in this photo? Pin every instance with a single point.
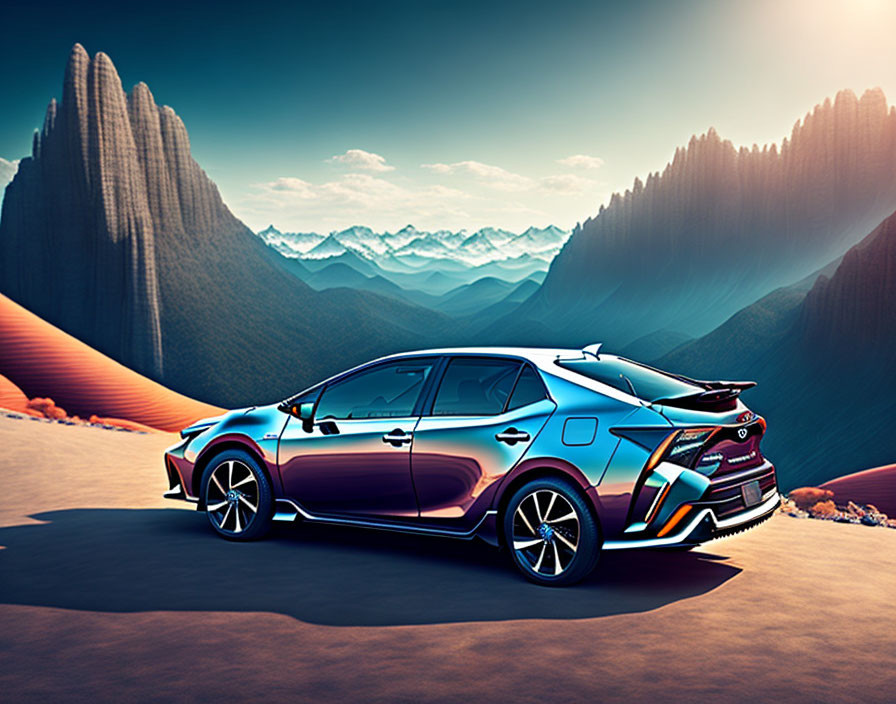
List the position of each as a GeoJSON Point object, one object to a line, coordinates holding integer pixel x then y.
{"type": "Point", "coordinates": [533, 353]}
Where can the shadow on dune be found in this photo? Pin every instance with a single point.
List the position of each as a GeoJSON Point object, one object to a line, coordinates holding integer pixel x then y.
{"type": "Point", "coordinates": [168, 559]}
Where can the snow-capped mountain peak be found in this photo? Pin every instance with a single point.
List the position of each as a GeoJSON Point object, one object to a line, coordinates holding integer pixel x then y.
{"type": "Point", "coordinates": [412, 246]}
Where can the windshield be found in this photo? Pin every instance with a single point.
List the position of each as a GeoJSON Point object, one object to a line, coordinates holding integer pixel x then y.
{"type": "Point", "coordinates": [645, 382]}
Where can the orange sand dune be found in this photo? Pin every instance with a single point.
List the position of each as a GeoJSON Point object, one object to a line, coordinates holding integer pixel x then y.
{"type": "Point", "coordinates": [873, 486]}
{"type": "Point", "coordinates": [11, 396]}
{"type": "Point", "coordinates": [41, 360]}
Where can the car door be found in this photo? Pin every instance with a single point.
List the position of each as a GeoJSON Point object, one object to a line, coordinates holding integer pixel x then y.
{"type": "Point", "coordinates": [356, 459]}
{"type": "Point", "coordinates": [482, 418]}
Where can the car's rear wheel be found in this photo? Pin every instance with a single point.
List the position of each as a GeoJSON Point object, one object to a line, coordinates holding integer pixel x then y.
{"type": "Point", "coordinates": [237, 496]}
{"type": "Point", "coordinates": [553, 537]}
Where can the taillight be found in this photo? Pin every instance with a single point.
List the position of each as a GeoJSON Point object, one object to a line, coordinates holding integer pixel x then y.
{"type": "Point", "coordinates": [659, 452]}
{"type": "Point", "coordinates": [688, 445]}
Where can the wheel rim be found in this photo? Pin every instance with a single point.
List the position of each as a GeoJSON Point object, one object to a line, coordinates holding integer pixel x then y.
{"type": "Point", "coordinates": [546, 532]}
{"type": "Point", "coordinates": [231, 496]}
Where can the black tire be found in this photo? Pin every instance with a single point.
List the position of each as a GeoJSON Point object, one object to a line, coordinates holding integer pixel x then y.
{"type": "Point", "coordinates": [232, 485]}
{"type": "Point", "coordinates": [538, 561]}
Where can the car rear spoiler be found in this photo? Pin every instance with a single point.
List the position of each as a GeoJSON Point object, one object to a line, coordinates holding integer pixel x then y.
{"type": "Point", "coordinates": [716, 396]}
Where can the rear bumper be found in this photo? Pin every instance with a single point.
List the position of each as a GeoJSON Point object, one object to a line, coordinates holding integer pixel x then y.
{"type": "Point", "coordinates": [704, 526]}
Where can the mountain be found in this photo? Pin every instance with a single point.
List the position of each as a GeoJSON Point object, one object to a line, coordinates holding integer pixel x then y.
{"type": "Point", "coordinates": [428, 245]}
{"type": "Point", "coordinates": [330, 247]}
{"type": "Point", "coordinates": [469, 298]}
{"type": "Point", "coordinates": [719, 228]}
{"type": "Point", "coordinates": [290, 244]}
{"type": "Point", "coordinates": [511, 256]}
{"type": "Point", "coordinates": [824, 360]}
{"type": "Point", "coordinates": [112, 232]}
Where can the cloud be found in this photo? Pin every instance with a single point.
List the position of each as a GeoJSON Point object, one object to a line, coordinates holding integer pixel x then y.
{"type": "Point", "coordinates": [492, 176]}
{"type": "Point", "coordinates": [462, 194]}
{"type": "Point", "coordinates": [582, 161]}
{"type": "Point", "coordinates": [353, 198]}
{"type": "Point", "coordinates": [7, 170]}
{"type": "Point", "coordinates": [294, 186]}
{"type": "Point", "coordinates": [568, 184]}
{"type": "Point", "coordinates": [359, 159]}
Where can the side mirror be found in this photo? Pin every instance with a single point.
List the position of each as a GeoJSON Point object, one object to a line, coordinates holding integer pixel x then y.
{"type": "Point", "coordinates": [305, 413]}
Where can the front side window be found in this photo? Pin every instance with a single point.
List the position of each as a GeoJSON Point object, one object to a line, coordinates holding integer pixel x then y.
{"type": "Point", "coordinates": [475, 386]}
{"type": "Point", "coordinates": [388, 390]}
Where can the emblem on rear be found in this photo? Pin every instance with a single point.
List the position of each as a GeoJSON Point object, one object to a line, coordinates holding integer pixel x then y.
{"type": "Point", "coordinates": [742, 433]}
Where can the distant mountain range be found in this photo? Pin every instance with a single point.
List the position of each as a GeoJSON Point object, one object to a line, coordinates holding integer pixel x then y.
{"type": "Point", "coordinates": [718, 229]}
{"type": "Point", "coordinates": [824, 356]}
{"type": "Point", "coordinates": [460, 257]}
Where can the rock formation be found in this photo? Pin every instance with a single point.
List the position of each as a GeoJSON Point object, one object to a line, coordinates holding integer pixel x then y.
{"type": "Point", "coordinates": [77, 241]}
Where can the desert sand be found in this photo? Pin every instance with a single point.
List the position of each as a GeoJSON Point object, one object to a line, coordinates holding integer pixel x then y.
{"type": "Point", "coordinates": [873, 486]}
{"type": "Point", "coordinates": [42, 360]}
{"type": "Point", "coordinates": [110, 593]}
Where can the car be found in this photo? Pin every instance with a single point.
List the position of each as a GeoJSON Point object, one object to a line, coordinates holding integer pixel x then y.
{"type": "Point", "coordinates": [555, 454]}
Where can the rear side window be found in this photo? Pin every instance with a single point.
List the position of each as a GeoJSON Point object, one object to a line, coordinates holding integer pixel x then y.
{"type": "Point", "coordinates": [528, 389]}
{"type": "Point", "coordinates": [639, 380]}
{"type": "Point", "coordinates": [475, 386]}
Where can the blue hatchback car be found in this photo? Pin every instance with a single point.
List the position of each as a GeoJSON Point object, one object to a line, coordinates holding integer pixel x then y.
{"type": "Point", "coordinates": [556, 454]}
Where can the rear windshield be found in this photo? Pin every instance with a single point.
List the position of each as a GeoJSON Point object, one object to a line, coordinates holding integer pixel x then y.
{"type": "Point", "coordinates": [645, 382]}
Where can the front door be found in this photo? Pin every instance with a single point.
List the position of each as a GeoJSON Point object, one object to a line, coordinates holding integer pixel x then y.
{"type": "Point", "coordinates": [356, 460]}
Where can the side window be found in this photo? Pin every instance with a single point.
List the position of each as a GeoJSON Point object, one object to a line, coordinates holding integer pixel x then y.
{"type": "Point", "coordinates": [475, 386]}
{"type": "Point", "coordinates": [308, 396]}
{"type": "Point", "coordinates": [529, 389]}
{"type": "Point", "coordinates": [388, 390]}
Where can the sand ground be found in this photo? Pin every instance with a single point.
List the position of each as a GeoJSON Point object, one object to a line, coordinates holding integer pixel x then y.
{"type": "Point", "coordinates": [110, 593]}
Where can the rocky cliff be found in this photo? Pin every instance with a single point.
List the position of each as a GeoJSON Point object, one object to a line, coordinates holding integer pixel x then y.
{"type": "Point", "coordinates": [721, 226]}
{"type": "Point", "coordinates": [113, 233]}
{"type": "Point", "coordinates": [77, 238]}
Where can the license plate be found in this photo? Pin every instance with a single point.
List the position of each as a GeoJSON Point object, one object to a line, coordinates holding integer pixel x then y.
{"type": "Point", "coordinates": [752, 493]}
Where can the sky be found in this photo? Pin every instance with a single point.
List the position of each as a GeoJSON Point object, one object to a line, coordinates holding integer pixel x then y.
{"type": "Point", "coordinates": [315, 116]}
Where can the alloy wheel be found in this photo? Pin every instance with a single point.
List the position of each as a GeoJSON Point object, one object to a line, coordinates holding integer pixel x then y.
{"type": "Point", "coordinates": [546, 532]}
{"type": "Point", "coordinates": [232, 496]}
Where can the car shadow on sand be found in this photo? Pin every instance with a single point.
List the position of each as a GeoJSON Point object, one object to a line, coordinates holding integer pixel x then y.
{"type": "Point", "coordinates": [124, 560]}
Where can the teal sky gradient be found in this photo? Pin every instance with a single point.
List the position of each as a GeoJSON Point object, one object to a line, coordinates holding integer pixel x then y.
{"type": "Point", "coordinates": [270, 94]}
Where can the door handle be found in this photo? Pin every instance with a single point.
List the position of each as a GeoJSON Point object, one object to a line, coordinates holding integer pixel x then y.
{"type": "Point", "coordinates": [397, 437]}
{"type": "Point", "coordinates": [512, 436]}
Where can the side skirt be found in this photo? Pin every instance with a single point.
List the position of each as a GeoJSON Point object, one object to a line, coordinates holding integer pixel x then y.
{"type": "Point", "coordinates": [287, 510]}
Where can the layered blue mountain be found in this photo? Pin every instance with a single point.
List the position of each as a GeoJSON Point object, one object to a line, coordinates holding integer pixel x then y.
{"type": "Point", "coordinates": [717, 229]}
{"type": "Point", "coordinates": [458, 273]}
{"type": "Point", "coordinates": [824, 354]}
{"type": "Point", "coordinates": [111, 231]}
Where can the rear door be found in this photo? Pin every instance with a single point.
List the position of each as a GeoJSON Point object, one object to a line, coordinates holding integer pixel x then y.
{"type": "Point", "coordinates": [478, 424]}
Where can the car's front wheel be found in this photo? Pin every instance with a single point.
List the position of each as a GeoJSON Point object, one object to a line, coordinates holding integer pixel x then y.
{"type": "Point", "coordinates": [237, 496]}
{"type": "Point", "coordinates": [552, 535]}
